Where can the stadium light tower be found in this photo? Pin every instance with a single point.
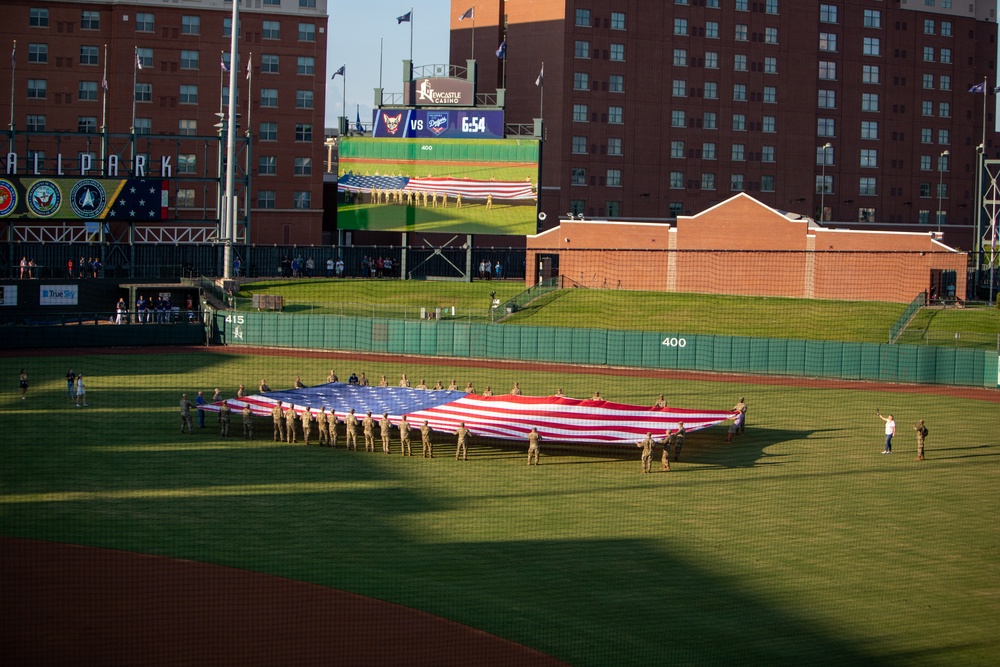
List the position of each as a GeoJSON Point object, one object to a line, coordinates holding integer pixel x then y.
{"type": "Point", "coordinates": [822, 187]}
{"type": "Point", "coordinates": [942, 159]}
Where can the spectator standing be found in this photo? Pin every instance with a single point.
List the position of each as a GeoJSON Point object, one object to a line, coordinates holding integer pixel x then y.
{"type": "Point", "coordinates": [69, 269]}
{"type": "Point", "coordinates": [890, 430]}
{"type": "Point", "coordinates": [310, 267]}
{"type": "Point", "coordinates": [120, 311]}
{"type": "Point", "coordinates": [199, 401]}
{"type": "Point", "coordinates": [236, 267]}
{"type": "Point", "coordinates": [70, 384]}
{"type": "Point", "coordinates": [140, 309]}
{"type": "Point", "coordinates": [498, 270]}
{"type": "Point", "coordinates": [340, 268]}
{"type": "Point", "coordinates": [329, 267]}
{"type": "Point", "coordinates": [81, 392]}
{"type": "Point", "coordinates": [23, 382]}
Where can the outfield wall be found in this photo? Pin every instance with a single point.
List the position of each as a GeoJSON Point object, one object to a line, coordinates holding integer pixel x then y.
{"type": "Point", "coordinates": [722, 354]}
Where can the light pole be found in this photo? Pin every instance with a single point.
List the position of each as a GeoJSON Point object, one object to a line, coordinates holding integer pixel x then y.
{"type": "Point", "coordinates": [941, 163]}
{"type": "Point", "coordinates": [822, 186]}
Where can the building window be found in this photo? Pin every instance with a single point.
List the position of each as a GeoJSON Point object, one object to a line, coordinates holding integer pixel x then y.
{"type": "Point", "coordinates": [143, 92]}
{"type": "Point", "coordinates": [680, 57]}
{"type": "Point", "coordinates": [869, 157]}
{"type": "Point", "coordinates": [144, 126]}
{"type": "Point", "coordinates": [190, 59]}
{"type": "Point", "coordinates": [769, 124]}
{"type": "Point", "coordinates": [677, 149]}
{"type": "Point", "coordinates": [738, 152]}
{"type": "Point", "coordinates": [866, 186]}
{"type": "Point", "coordinates": [614, 146]}
{"type": "Point", "coordinates": [869, 101]}
{"type": "Point", "coordinates": [825, 127]}
{"type": "Point", "coordinates": [38, 18]}
{"type": "Point", "coordinates": [770, 95]}
{"type": "Point", "coordinates": [739, 92]}
{"type": "Point", "coordinates": [145, 56]}
{"type": "Point", "coordinates": [268, 131]}
{"type": "Point", "coordinates": [614, 178]}
{"type": "Point", "coordinates": [870, 74]}
{"type": "Point", "coordinates": [303, 99]}
{"type": "Point", "coordinates": [869, 129]}
{"type": "Point", "coordinates": [736, 182]}
{"type": "Point", "coordinates": [303, 132]}
{"type": "Point", "coordinates": [770, 35]}
{"type": "Point", "coordinates": [828, 13]}
{"type": "Point", "coordinates": [828, 41]}
{"type": "Point", "coordinates": [618, 52]}
{"type": "Point", "coordinates": [926, 108]}
{"type": "Point", "coordinates": [928, 54]}
{"type": "Point", "coordinates": [185, 198]}
{"type": "Point", "coordinates": [712, 29]}
{"type": "Point", "coordinates": [770, 6]}
{"type": "Point", "coordinates": [90, 20]}
{"type": "Point", "coordinates": [616, 83]}
{"type": "Point", "coordinates": [873, 19]}
{"type": "Point", "coordinates": [680, 26]}
{"type": "Point", "coordinates": [265, 199]}
{"type": "Point", "coordinates": [615, 115]}
{"type": "Point", "coordinates": [613, 209]}
{"type": "Point", "coordinates": [827, 70]}
{"type": "Point", "coordinates": [925, 188]}
{"type": "Point", "coordinates": [188, 94]}
{"type": "Point", "coordinates": [617, 20]}
{"type": "Point", "coordinates": [928, 26]}
{"type": "Point", "coordinates": [925, 165]}
{"type": "Point", "coordinates": [269, 98]}
{"type": "Point", "coordinates": [767, 183]}
{"type": "Point", "coordinates": [871, 46]}
{"type": "Point", "coordinates": [711, 90]}
{"type": "Point", "coordinates": [307, 32]}
{"type": "Point", "coordinates": [926, 135]}
{"type": "Point", "coordinates": [827, 99]}
{"type": "Point", "coordinates": [144, 22]}
{"type": "Point", "coordinates": [944, 82]}
{"type": "Point", "coordinates": [576, 206]}
{"type": "Point", "coordinates": [187, 163]}
{"type": "Point", "coordinates": [945, 56]}
{"type": "Point", "coordinates": [740, 33]}
{"type": "Point", "coordinates": [679, 88]}
{"type": "Point", "coordinates": [712, 4]}
{"type": "Point", "coordinates": [946, 28]}
{"type": "Point", "coordinates": [824, 184]}
{"type": "Point", "coordinates": [711, 60]}
{"type": "Point", "coordinates": [927, 81]}
{"type": "Point", "coordinates": [678, 118]}
{"type": "Point", "coordinates": [942, 190]}
{"type": "Point", "coordinates": [677, 180]}
{"type": "Point", "coordinates": [583, 18]}
{"type": "Point", "coordinates": [302, 198]}
{"type": "Point", "coordinates": [36, 123]}
{"type": "Point", "coordinates": [580, 145]}
{"type": "Point", "coordinates": [708, 181]}
{"type": "Point", "coordinates": [227, 26]}
{"type": "Point", "coordinates": [307, 4]}
{"type": "Point", "coordinates": [88, 90]}
{"type": "Point", "coordinates": [770, 65]}
{"type": "Point", "coordinates": [190, 25]}
{"type": "Point", "coordinates": [581, 81]}
{"type": "Point", "coordinates": [708, 151]}
{"type": "Point", "coordinates": [739, 122]}
{"type": "Point", "coordinates": [710, 120]}
{"type": "Point", "coordinates": [268, 64]}
{"type": "Point", "coordinates": [271, 29]}
{"type": "Point", "coordinates": [580, 113]}
{"type": "Point", "coordinates": [944, 137]}
{"type": "Point", "coordinates": [942, 163]}
{"type": "Point", "coordinates": [187, 127]}
{"type": "Point", "coordinates": [581, 49]}
{"type": "Point", "coordinates": [38, 53]}
{"type": "Point", "coordinates": [740, 62]}
{"type": "Point", "coordinates": [306, 65]}
{"type": "Point", "coordinates": [944, 109]}
{"type": "Point", "coordinates": [89, 55]}
{"type": "Point", "coordinates": [677, 207]}
{"type": "Point", "coordinates": [825, 156]}
{"type": "Point", "coordinates": [767, 153]}
{"type": "Point", "coordinates": [742, 5]}
{"type": "Point", "coordinates": [578, 176]}
{"type": "Point", "coordinates": [303, 166]}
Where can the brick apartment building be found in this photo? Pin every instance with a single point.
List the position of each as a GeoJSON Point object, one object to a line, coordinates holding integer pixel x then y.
{"type": "Point", "coordinates": [65, 47]}
{"type": "Point", "coordinates": [659, 109]}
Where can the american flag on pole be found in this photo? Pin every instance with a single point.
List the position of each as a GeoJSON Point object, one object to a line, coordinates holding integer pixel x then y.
{"type": "Point", "coordinates": [468, 188]}
{"type": "Point", "coordinates": [508, 417]}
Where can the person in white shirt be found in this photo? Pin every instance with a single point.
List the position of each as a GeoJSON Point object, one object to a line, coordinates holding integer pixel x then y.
{"type": "Point", "coordinates": [890, 430]}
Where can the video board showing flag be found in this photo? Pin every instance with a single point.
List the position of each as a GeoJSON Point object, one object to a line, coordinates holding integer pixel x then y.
{"type": "Point", "coordinates": [478, 186]}
{"type": "Point", "coordinates": [110, 199]}
{"type": "Point", "coordinates": [508, 417]}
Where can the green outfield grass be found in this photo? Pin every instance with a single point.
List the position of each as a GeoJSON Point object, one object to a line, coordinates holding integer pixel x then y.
{"type": "Point", "coordinates": [430, 168]}
{"type": "Point", "coordinates": [472, 218]}
{"type": "Point", "coordinates": [977, 327]}
{"type": "Point", "coordinates": [798, 544]}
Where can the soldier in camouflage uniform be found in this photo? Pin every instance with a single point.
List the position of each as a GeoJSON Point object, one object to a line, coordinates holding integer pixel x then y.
{"type": "Point", "coordinates": [404, 437]}
{"type": "Point", "coordinates": [331, 423]}
{"type": "Point", "coordinates": [225, 413]}
{"type": "Point", "coordinates": [290, 417]}
{"type": "Point", "coordinates": [185, 414]}
{"type": "Point", "coordinates": [351, 428]}
{"type": "Point", "coordinates": [647, 452]}
{"type": "Point", "coordinates": [368, 425]}
{"type": "Point", "coordinates": [385, 427]}
{"type": "Point", "coordinates": [666, 443]}
{"type": "Point", "coordinates": [678, 440]}
{"type": "Point", "coordinates": [533, 440]}
{"type": "Point", "coordinates": [247, 423]}
{"type": "Point", "coordinates": [425, 440]}
{"type": "Point", "coordinates": [278, 415]}
{"type": "Point", "coordinates": [307, 425]}
{"type": "Point", "coordinates": [462, 451]}
{"type": "Point", "coordinates": [324, 427]}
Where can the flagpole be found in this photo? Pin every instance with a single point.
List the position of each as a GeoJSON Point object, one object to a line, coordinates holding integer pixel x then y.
{"type": "Point", "coordinates": [344, 103]}
{"type": "Point", "coordinates": [222, 78]}
{"type": "Point", "coordinates": [135, 72]}
{"type": "Point", "coordinates": [541, 94]}
{"type": "Point", "coordinates": [227, 255]}
{"type": "Point", "coordinates": [249, 87]}
{"type": "Point", "coordinates": [104, 112]}
{"type": "Point", "coordinates": [380, 41]}
{"type": "Point", "coordinates": [411, 36]}
{"type": "Point", "coordinates": [473, 32]}
{"type": "Point", "coordinates": [13, 73]}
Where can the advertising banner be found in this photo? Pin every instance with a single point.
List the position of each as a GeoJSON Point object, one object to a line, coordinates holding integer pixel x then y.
{"type": "Point", "coordinates": [431, 124]}
{"type": "Point", "coordinates": [8, 295]}
{"type": "Point", "coordinates": [58, 295]}
{"type": "Point", "coordinates": [111, 199]}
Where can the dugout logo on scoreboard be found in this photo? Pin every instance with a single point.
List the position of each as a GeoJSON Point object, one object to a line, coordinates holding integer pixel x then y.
{"type": "Point", "coordinates": [437, 122]}
{"type": "Point", "coordinates": [8, 198]}
{"type": "Point", "coordinates": [87, 199]}
{"type": "Point", "coordinates": [44, 198]}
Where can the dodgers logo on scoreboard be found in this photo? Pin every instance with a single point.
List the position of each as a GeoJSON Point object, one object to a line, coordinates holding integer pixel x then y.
{"type": "Point", "coordinates": [44, 198]}
{"type": "Point", "coordinates": [437, 121]}
{"type": "Point", "coordinates": [8, 198]}
{"type": "Point", "coordinates": [87, 199]}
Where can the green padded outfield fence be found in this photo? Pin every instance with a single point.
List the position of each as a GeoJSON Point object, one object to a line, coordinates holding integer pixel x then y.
{"type": "Point", "coordinates": [721, 354]}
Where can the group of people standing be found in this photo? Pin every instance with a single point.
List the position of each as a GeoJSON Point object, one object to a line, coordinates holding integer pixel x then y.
{"type": "Point", "coordinates": [377, 267]}
{"type": "Point", "coordinates": [489, 271]}
{"type": "Point", "coordinates": [890, 431]}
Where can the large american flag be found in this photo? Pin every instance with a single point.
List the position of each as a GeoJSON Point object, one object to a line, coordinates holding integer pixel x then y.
{"type": "Point", "coordinates": [558, 419]}
{"type": "Point", "coordinates": [468, 188]}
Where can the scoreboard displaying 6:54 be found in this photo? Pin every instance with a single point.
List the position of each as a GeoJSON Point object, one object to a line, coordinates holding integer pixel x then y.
{"type": "Point", "coordinates": [431, 124]}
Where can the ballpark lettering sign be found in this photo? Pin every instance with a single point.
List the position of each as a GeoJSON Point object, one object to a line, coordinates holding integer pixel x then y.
{"type": "Point", "coordinates": [439, 91]}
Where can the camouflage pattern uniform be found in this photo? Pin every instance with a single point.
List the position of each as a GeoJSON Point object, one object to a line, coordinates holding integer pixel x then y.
{"type": "Point", "coordinates": [647, 452]}
{"type": "Point", "coordinates": [921, 435]}
{"type": "Point", "coordinates": [278, 415]}
{"type": "Point", "coordinates": [291, 434]}
{"type": "Point", "coordinates": [352, 429]}
{"type": "Point", "coordinates": [247, 423]}
{"type": "Point", "coordinates": [533, 440]}
{"type": "Point", "coordinates": [324, 428]}
{"type": "Point", "coordinates": [185, 414]}
{"type": "Point", "coordinates": [368, 425]}
{"type": "Point", "coordinates": [462, 452]}
{"type": "Point", "coordinates": [307, 425]}
{"type": "Point", "coordinates": [224, 419]}
{"type": "Point", "coordinates": [425, 440]}
{"type": "Point", "coordinates": [404, 437]}
{"type": "Point", "coordinates": [331, 422]}
{"type": "Point", "coordinates": [666, 443]}
{"type": "Point", "coordinates": [678, 440]}
{"type": "Point", "coordinates": [384, 427]}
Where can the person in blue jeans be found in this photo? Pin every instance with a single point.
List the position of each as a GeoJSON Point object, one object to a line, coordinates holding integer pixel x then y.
{"type": "Point", "coordinates": [890, 430]}
{"type": "Point", "coordinates": [200, 403]}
